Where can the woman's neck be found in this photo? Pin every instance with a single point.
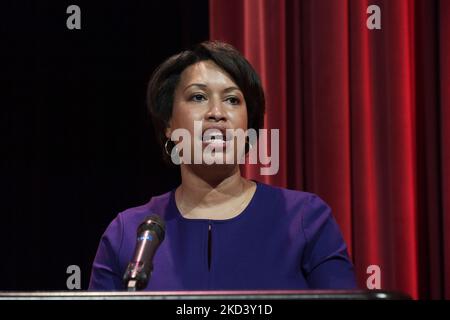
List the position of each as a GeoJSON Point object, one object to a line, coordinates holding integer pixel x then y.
{"type": "Point", "coordinates": [202, 190]}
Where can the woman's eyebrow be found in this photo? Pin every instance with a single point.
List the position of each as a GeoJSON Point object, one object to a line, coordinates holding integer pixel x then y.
{"type": "Point", "coordinates": [202, 85]}
{"type": "Point", "coordinates": [231, 89]}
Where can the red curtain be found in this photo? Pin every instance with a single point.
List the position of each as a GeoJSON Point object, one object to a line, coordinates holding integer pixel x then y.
{"type": "Point", "coordinates": [364, 119]}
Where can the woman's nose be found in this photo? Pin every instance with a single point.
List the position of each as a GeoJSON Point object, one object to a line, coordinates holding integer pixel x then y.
{"type": "Point", "coordinates": [216, 111]}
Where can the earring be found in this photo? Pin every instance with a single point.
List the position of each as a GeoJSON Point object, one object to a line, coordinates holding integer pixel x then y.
{"type": "Point", "coordinates": [250, 146]}
{"type": "Point", "coordinates": [165, 147]}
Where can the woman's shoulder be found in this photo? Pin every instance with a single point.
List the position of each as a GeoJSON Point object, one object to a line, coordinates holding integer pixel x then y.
{"type": "Point", "coordinates": [158, 205]}
{"type": "Point", "coordinates": [288, 196]}
{"type": "Point", "coordinates": [294, 201]}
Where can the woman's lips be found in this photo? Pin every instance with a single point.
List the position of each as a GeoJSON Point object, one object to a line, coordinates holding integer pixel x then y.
{"type": "Point", "coordinates": [214, 140]}
{"type": "Point", "coordinates": [215, 137]}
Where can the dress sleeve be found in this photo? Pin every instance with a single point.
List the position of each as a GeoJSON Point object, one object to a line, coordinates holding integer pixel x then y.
{"type": "Point", "coordinates": [326, 263]}
{"type": "Point", "coordinates": [105, 274]}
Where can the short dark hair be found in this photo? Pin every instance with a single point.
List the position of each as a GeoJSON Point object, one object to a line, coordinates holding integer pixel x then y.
{"type": "Point", "coordinates": [161, 88]}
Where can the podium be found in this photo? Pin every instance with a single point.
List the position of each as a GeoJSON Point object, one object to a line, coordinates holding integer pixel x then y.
{"type": "Point", "coordinates": [277, 295]}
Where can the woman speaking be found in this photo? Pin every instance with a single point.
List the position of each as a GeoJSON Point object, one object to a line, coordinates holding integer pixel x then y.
{"type": "Point", "coordinates": [222, 231]}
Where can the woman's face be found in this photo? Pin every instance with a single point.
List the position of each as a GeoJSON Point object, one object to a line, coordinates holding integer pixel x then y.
{"type": "Point", "coordinates": [206, 93]}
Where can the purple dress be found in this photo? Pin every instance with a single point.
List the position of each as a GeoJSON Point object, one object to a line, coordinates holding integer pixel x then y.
{"type": "Point", "coordinates": [284, 239]}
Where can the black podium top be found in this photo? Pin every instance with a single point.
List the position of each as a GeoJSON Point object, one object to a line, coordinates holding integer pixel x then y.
{"type": "Point", "coordinates": [208, 295]}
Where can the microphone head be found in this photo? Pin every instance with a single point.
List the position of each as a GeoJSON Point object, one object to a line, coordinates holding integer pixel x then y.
{"type": "Point", "coordinates": [153, 223]}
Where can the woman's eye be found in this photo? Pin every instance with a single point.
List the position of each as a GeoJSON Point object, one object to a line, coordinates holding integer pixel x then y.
{"type": "Point", "coordinates": [233, 100]}
{"type": "Point", "coordinates": [198, 97]}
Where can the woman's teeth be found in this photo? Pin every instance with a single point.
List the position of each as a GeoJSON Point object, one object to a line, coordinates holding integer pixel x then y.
{"type": "Point", "coordinates": [213, 138]}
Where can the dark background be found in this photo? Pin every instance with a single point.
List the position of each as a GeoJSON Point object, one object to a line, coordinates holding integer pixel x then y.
{"type": "Point", "coordinates": [78, 146]}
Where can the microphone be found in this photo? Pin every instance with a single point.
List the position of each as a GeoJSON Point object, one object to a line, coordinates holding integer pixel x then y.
{"type": "Point", "coordinates": [150, 234]}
